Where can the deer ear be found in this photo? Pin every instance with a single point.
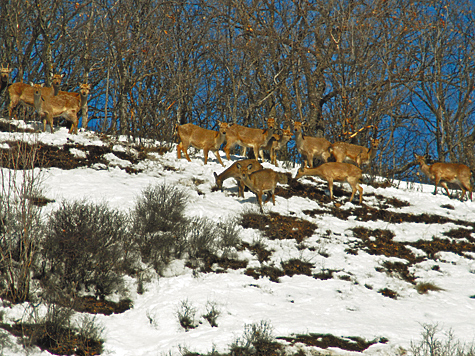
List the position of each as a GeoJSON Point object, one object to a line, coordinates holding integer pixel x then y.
{"type": "Point", "coordinates": [249, 166]}
{"type": "Point", "coordinates": [238, 165]}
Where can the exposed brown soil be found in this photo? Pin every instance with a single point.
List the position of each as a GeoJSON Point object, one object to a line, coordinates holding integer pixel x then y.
{"type": "Point", "coordinates": [213, 263]}
{"type": "Point", "coordinates": [324, 341]}
{"type": "Point", "coordinates": [93, 305]}
{"type": "Point", "coordinates": [56, 339]}
{"type": "Point", "coordinates": [61, 157]}
{"type": "Point", "coordinates": [279, 227]}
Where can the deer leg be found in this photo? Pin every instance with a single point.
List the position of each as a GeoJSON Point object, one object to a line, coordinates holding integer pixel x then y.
{"type": "Point", "coordinates": [273, 157]}
{"type": "Point", "coordinates": [256, 153]}
{"type": "Point", "coordinates": [218, 157]}
{"type": "Point", "coordinates": [10, 109]}
{"type": "Point", "coordinates": [468, 187]}
{"type": "Point", "coordinates": [50, 120]}
{"type": "Point", "coordinates": [259, 200]}
{"type": "Point", "coordinates": [353, 190]}
{"type": "Point", "coordinates": [72, 128]}
{"type": "Point", "coordinates": [436, 183]}
{"type": "Point", "coordinates": [330, 188]}
{"type": "Point", "coordinates": [184, 148]}
{"type": "Point", "coordinates": [76, 124]}
{"type": "Point", "coordinates": [444, 184]}
{"type": "Point", "coordinates": [261, 154]}
{"type": "Point", "coordinates": [310, 161]}
{"type": "Point", "coordinates": [360, 190]}
{"type": "Point", "coordinates": [227, 149]}
{"type": "Point", "coordinates": [273, 196]}
{"type": "Point", "coordinates": [178, 150]}
{"type": "Point", "coordinates": [205, 154]}
{"type": "Point", "coordinates": [241, 189]}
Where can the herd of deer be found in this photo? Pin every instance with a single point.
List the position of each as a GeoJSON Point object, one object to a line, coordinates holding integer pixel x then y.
{"type": "Point", "coordinates": [346, 168]}
{"type": "Point", "coordinates": [48, 102]}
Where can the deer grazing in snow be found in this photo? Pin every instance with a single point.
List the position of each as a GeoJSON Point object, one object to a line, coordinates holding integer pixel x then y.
{"type": "Point", "coordinates": [444, 173]}
{"type": "Point", "coordinates": [234, 172]}
{"type": "Point", "coordinates": [347, 152]}
{"type": "Point", "coordinates": [50, 106]}
{"type": "Point", "coordinates": [248, 137]}
{"type": "Point", "coordinates": [23, 94]}
{"type": "Point", "coordinates": [336, 172]}
{"type": "Point", "coordinates": [202, 139]}
{"type": "Point", "coordinates": [310, 147]}
{"type": "Point", "coordinates": [262, 181]}
{"type": "Point", "coordinates": [276, 143]}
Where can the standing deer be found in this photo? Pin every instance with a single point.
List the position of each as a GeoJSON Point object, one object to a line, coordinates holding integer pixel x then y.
{"type": "Point", "coordinates": [444, 173]}
{"type": "Point", "coordinates": [336, 172]}
{"type": "Point", "coordinates": [248, 137]}
{"type": "Point", "coordinates": [348, 152]}
{"type": "Point", "coordinates": [262, 181]}
{"type": "Point", "coordinates": [234, 172]}
{"type": "Point", "coordinates": [81, 99]}
{"type": "Point", "coordinates": [23, 94]}
{"type": "Point", "coordinates": [49, 107]}
{"type": "Point", "coordinates": [4, 77]}
{"type": "Point", "coordinates": [310, 147]}
{"type": "Point", "coordinates": [276, 143]}
{"type": "Point", "coordinates": [202, 139]}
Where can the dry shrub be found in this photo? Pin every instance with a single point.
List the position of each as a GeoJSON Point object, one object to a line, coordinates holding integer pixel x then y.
{"type": "Point", "coordinates": [85, 247]}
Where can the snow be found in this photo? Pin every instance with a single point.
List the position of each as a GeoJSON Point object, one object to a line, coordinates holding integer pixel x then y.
{"type": "Point", "coordinates": [297, 305]}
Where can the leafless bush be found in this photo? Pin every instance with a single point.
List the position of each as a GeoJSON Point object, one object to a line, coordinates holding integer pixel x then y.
{"type": "Point", "coordinates": [257, 339]}
{"type": "Point", "coordinates": [158, 221]}
{"type": "Point", "coordinates": [56, 332]}
{"type": "Point", "coordinates": [186, 314]}
{"type": "Point", "coordinates": [432, 345]}
{"type": "Point", "coordinates": [212, 313]}
{"type": "Point", "coordinates": [205, 237]}
{"type": "Point", "coordinates": [20, 225]}
{"type": "Point", "coordinates": [163, 232]}
{"type": "Point", "coordinates": [85, 247]}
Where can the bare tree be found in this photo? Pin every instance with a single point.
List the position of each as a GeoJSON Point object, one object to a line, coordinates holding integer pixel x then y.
{"type": "Point", "coordinates": [445, 91]}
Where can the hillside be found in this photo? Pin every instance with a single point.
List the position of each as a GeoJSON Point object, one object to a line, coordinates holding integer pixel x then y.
{"type": "Point", "coordinates": [357, 279]}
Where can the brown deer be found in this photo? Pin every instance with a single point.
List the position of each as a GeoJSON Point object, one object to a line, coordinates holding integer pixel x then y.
{"type": "Point", "coordinates": [248, 137]}
{"type": "Point", "coordinates": [262, 181]}
{"type": "Point", "coordinates": [444, 173]}
{"type": "Point", "coordinates": [348, 152]}
{"type": "Point", "coordinates": [234, 172]}
{"type": "Point", "coordinates": [310, 147]}
{"type": "Point", "coordinates": [81, 99]}
{"type": "Point", "coordinates": [49, 107]}
{"type": "Point", "coordinates": [4, 77]}
{"type": "Point", "coordinates": [336, 172]}
{"type": "Point", "coordinates": [23, 94]}
{"type": "Point", "coordinates": [202, 139]}
{"type": "Point", "coordinates": [276, 143]}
